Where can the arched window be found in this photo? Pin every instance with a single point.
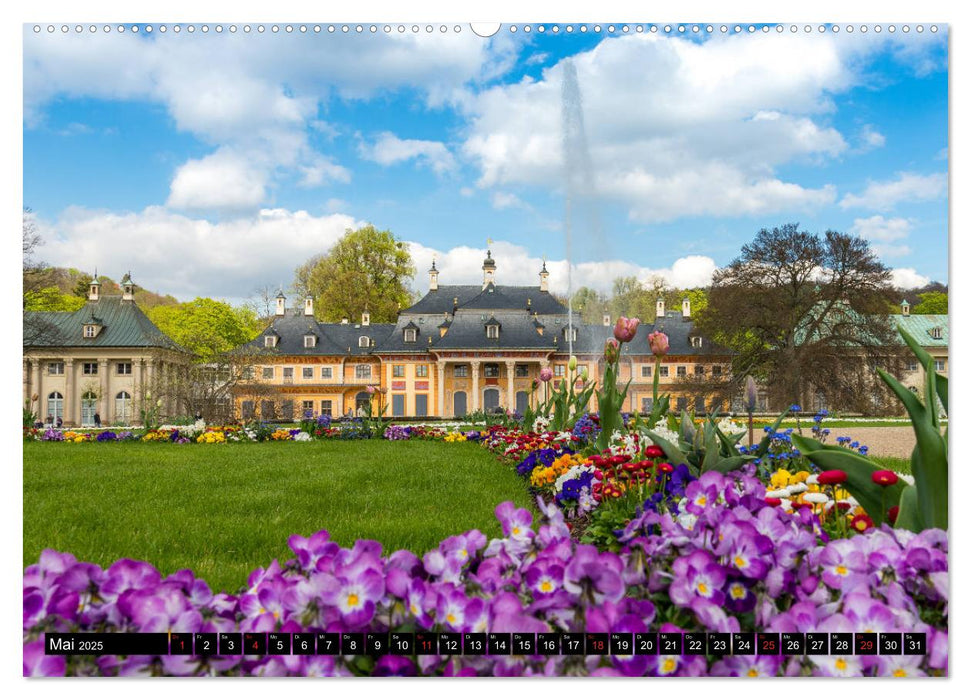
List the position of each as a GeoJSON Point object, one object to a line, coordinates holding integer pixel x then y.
{"type": "Point", "coordinates": [55, 406]}
{"type": "Point", "coordinates": [123, 411]}
{"type": "Point", "coordinates": [89, 406]}
{"type": "Point", "coordinates": [363, 342]}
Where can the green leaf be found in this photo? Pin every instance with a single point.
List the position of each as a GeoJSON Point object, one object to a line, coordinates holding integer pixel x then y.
{"type": "Point", "coordinates": [874, 499]}
{"type": "Point", "coordinates": [922, 355]}
{"type": "Point", "coordinates": [712, 456]}
{"type": "Point", "coordinates": [908, 518]}
{"type": "Point", "coordinates": [687, 428]}
{"type": "Point", "coordinates": [942, 390]}
{"type": "Point", "coordinates": [670, 449]}
{"type": "Point", "coordinates": [729, 464]}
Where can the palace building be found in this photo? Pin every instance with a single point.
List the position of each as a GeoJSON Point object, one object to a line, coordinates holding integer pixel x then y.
{"type": "Point", "coordinates": [460, 349]}
{"type": "Point", "coordinates": [101, 359]}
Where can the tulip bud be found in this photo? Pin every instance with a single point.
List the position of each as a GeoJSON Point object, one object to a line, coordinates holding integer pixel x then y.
{"type": "Point", "coordinates": [751, 393]}
{"type": "Point", "coordinates": [584, 373]}
{"type": "Point", "coordinates": [611, 351]}
{"type": "Point", "coordinates": [659, 343]}
{"type": "Point", "coordinates": [148, 395]}
{"type": "Point", "coordinates": [573, 363]}
{"type": "Point", "coordinates": [626, 329]}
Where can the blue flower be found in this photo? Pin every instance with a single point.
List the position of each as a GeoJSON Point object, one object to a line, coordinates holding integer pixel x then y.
{"type": "Point", "coordinates": [795, 408]}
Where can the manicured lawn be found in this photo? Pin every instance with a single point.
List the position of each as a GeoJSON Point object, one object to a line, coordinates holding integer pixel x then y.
{"type": "Point", "coordinates": [222, 510]}
{"type": "Point", "coordinates": [897, 464]}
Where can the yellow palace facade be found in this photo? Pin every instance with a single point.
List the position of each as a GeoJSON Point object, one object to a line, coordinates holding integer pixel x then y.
{"type": "Point", "coordinates": [461, 349]}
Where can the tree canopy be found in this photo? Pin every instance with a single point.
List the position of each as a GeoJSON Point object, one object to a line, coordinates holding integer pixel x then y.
{"type": "Point", "coordinates": [931, 303]}
{"type": "Point", "coordinates": [367, 269]}
{"type": "Point", "coordinates": [205, 326]}
{"type": "Point", "coordinates": [805, 312]}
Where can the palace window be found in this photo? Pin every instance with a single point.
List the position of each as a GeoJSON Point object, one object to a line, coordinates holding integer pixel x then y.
{"type": "Point", "coordinates": [362, 371]}
{"type": "Point", "coordinates": [559, 370]}
{"type": "Point", "coordinates": [682, 371]}
{"type": "Point", "coordinates": [269, 341]}
{"type": "Point", "coordinates": [363, 342]}
{"type": "Point", "coordinates": [421, 370]}
{"type": "Point", "coordinates": [55, 368]}
{"type": "Point", "coordinates": [308, 372]}
{"type": "Point", "coordinates": [699, 370]}
{"type": "Point", "coordinates": [123, 410]}
{"type": "Point", "coordinates": [937, 332]}
{"type": "Point", "coordinates": [682, 403]}
{"type": "Point", "coordinates": [664, 371]}
{"type": "Point", "coordinates": [571, 331]}
{"type": "Point", "coordinates": [326, 372]}
{"type": "Point", "coordinates": [491, 370]}
{"type": "Point", "coordinates": [912, 366]}
{"type": "Point", "coordinates": [123, 368]}
{"type": "Point", "coordinates": [938, 365]}
{"type": "Point", "coordinates": [267, 373]}
{"type": "Point", "coordinates": [646, 371]}
{"type": "Point", "coordinates": [411, 335]}
{"type": "Point", "coordinates": [288, 374]}
{"type": "Point", "coordinates": [247, 410]}
{"type": "Point", "coordinates": [89, 368]}
{"type": "Point", "coordinates": [310, 341]}
{"type": "Point", "coordinates": [397, 370]}
{"type": "Point", "coordinates": [90, 330]}
{"type": "Point", "coordinates": [326, 407]}
{"type": "Point", "coordinates": [246, 373]}
{"type": "Point", "coordinates": [696, 341]}
{"type": "Point", "coordinates": [461, 371]}
{"type": "Point", "coordinates": [308, 409]}
{"type": "Point", "coordinates": [522, 370]}
{"type": "Point", "coordinates": [492, 331]}
{"type": "Point", "coordinates": [647, 404]}
{"type": "Point", "coordinates": [716, 370]}
{"type": "Point", "coordinates": [55, 405]}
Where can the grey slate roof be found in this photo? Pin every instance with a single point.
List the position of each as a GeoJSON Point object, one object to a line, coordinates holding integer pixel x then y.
{"type": "Point", "coordinates": [332, 338]}
{"type": "Point", "coordinates": [123, 325]}
{"type": "Point", "coordinates": [494, 297]}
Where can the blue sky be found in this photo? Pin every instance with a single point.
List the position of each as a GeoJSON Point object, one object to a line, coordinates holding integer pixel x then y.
{"type": "Point", "coordinates": [213, 164]}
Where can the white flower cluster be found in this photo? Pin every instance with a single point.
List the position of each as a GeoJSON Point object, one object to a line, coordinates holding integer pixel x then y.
{"type": "Point", "coordinates": [662, 431]}
{"type": "Point", "coordinates": [302, 437]}
{"type": "Point", "coordinates": [572, 473]}
{"type": "Point", "coordinates": [730, 427]}
{"type": "Point", "coordinates": [624, 444]}
{"type": "Point", "coordinates": [541, 424]}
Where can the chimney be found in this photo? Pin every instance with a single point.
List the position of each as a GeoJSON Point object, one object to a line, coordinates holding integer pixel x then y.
{"type": "Point", "coordinates": [606, 319]}
{"type": "Point", "coordinates": [344, 322]}
{"type": "Point", "coordinates": [544, 278]}
{"type": "Point", "coordinates": [94, 291]}
{"type": "Point", "coordinates": [308, 306]}
{"type": "Point", "coordinates": [905, 307]}
{"type": "Point", "coordinates": [433, 278]}
{"type": "Point", "coordinates": [127, 288]}
{"type": "Point", "coordinates": [686, 308]}
{"type": "Point", "coordinates": [281, 303]}
{"type": "Point", "coordinates": [365, 319]}
{"type": "Point", "coordinates": [659, 309]}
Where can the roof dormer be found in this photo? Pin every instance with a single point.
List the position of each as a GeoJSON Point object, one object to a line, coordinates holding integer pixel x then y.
{"type": "Point", "coordinates": [410, 332]}
{"type": "Point", "coordinates": [92, 327]}
{"type": "Point", "coordinates": [492, 327]}
{"type": "Point", "coordinates": [364, 342]}
{"type": "Point", "coordinates": [937, 333]}
{"type": "Point", "coordinates": [310, 340]}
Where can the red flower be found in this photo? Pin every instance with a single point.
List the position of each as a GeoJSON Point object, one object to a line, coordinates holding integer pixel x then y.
{"type": "Point", "coordinates": [653, 451]}
{"type": "Point", "coordinates": [834, 476]}
{"type": "Point", "coordinates": [884, 477]}
{"type": "Point", "coordinates": [892, 514]}
{"type": "Point", "coordinates": [665, 468]}
{"type": "Point", "coordinates": [773, 501]}
{"type": "Point", "coordinates": [861, 523]}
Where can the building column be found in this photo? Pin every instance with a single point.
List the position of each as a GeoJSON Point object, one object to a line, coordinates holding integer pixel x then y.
{"type": "Point", "coordinates": [35, 388]}
{"type": "Point", "coordinates": [441, 388]}
{"type": "Point", "coordinates": [104, 390]}
{"type": "Point", "coordinates": [69, 392]}
{"type": "Point", "coordinates": [510, 384]}
{"type": "Point", "coordinates": [474, 366]}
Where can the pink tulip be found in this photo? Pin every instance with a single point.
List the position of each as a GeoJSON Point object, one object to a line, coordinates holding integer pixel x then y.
{"type": "Point", "coordinates": [545, 374]}
{"type": "Point", "coordinates": [371, 389]}
{"type": "Point", "coordinates": [626, 329]}
{"type": "Point", "coordinates": [611, 351]}
{"type": "Point", "coordinates": [659, 343]}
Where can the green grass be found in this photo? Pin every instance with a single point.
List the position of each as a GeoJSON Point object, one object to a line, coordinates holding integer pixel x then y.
{"type": "Point", "coordinates": [900, 465]}
{"type": "Point", "coordinates": [222, 510]}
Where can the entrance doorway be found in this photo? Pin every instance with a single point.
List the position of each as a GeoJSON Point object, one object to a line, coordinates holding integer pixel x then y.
{"type": "Point", "coordinates": [460, 404]}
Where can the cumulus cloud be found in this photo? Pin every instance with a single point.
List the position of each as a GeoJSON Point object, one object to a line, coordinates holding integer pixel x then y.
{"type": "Point", "coordinates": [388, 149]}
{"type": "Point", "coordinates": [221, 181]}
{"type": "Point", "coordinates": [190, 257]}
{"type": "Point", "coordinates": [872, 138]}
{"type": "Point", "coordinates": [884, 234]}
{"type": "Point", "coordinates": [507, 200]}
{"type": "Point", "coordinates": [257, 97]}
{"type": "Point", "coordinates": [907, 187]}
{"type": "Point", "coordinates": [515, 265]}
{"type": "Point", "coordinates": [908, 278]}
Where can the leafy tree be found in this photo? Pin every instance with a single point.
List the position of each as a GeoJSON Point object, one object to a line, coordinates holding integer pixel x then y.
{"type": "Point", "coordinates": [931, 303]}
{"type": "Point", "coordinates": [806, 313]}
{"type": "Point", "coordinates": [631, 299]}
{"type": "Point", "coordinates": [205, 326]}
{"type": "Point", "coordinates": [51, 299]}
{"type": "Point", "coordinates": [366, 269]}
{"type": "Point", "coordinates": [590, 304]}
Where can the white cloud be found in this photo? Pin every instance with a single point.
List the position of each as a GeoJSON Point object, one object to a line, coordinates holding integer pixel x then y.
{"type": "Point", "coordinates": [907, 187]}
{"type": "Point", "coordinates": [507, 200]}
{"type": "Point", "coordinates": [908, 278]}
{"type": "Point", "coordinates": [676, 127]}
{"type": "Point", "coordinates": [221, 181]}
{"type": "Point", "coordinates": [388, 149]}
{"type": "Point", "coordinates": [189, 257]}
{"type": "Point", "coordinates": [256, 96]}
{"type": "Point", "coordinates": [882, 233]}
{"type": "Point", "coordinates": [463, 265]}
{"type": "Point", "coordinates": [872, 138]}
